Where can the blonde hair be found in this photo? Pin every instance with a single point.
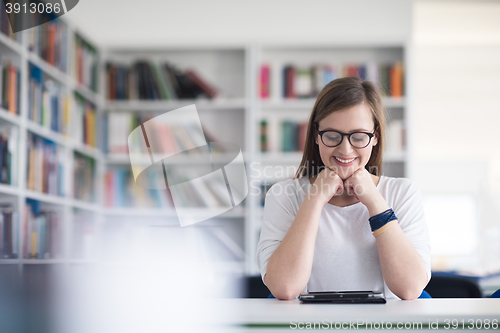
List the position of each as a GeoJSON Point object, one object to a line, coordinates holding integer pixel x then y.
{"type": "Point", "coordinates": [338, 95]}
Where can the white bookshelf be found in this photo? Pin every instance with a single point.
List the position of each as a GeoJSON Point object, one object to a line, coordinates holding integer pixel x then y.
{"type": "Point", "coordinates": [17, 193]}
{"type": "Point", "coordinates": [233, 116]}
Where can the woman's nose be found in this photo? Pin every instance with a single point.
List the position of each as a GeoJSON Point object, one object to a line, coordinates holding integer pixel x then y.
{"type": "Point", "coordinates": [345, 147]}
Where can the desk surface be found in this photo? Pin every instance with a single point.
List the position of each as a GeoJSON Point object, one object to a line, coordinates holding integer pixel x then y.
{"type": "Point", "coordinates": [268, 313]}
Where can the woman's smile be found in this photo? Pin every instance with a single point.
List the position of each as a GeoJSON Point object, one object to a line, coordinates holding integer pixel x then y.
{"type": "Point", "coordinates": [344, 161]}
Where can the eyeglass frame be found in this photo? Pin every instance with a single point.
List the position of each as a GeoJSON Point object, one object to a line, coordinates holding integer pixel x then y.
{"type": "Point", "coordinates": [320, 133]}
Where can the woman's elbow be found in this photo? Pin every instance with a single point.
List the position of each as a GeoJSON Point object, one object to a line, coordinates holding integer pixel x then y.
{"type": "Point", "coordinates": [285, 294]}
{"type": "Point", "coordinates": [409, 294]}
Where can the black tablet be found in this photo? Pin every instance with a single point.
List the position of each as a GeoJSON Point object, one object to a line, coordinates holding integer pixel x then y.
{"type": "Point", "coordinates": [342, 297]}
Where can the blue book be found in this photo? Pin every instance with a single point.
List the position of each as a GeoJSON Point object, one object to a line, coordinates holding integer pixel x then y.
{"type": "Point", "coordinates": [42, 236]}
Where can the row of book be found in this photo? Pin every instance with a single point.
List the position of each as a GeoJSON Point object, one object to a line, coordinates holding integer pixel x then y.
{"type": "Point", "coordinates": [48, 104]}
{"type": "Point", "coordinates": [45, 166]}
{"type": "Point", "coordinates": [307, 82]}
{"type": "Point", "coordinates": [85, 121]}
{"type": "Point", "coordinates": [42, 230]}
{"type": "Point", "coordinates": [9, 232]}
{"type": "Point", "coordinates": [170, 139]}
{"type": "Point", "coordinates": [49, 41]}
{"type": "Point", "coordinates": [8, 149]}
{"type": "Point", "coordinates": [86, 63]}
{"type": "Point", "coordinates": [152, 81]}
{"type": "Point", "coordinates": [282, 136]}
{"type": "Point", "coordinates": [10, 86]}
{"type": "Point", "coordinates": [121, 191]}
{"type": "Point", "coordinates": [83, 178]}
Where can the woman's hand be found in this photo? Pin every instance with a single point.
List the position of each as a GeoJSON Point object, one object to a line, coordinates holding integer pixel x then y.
{"type": "Point", "coordinates": [327, 185]}
{"type": "Point", "coordinates": [361, 185]}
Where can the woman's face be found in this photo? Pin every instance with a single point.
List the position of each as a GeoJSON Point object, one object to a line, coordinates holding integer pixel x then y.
{"type": "Point", "coordinates": [345, 159]}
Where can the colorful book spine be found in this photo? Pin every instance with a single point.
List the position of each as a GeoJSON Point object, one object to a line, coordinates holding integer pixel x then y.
{"type": "Point", "coordinates": [307, 82]}
{"type": "Point", "coordinates": [84, 178]}
{"type": "Point", "coordinates": [264, 81]}
{"type": "Point", "coordinates": [47, 104]}
{"type": "Point", "coordinates": [45, 166]}
{"type": "Point", "coordinates": [121, 191]}
{"type": "Point", "coordinates": [283, 136]}
{"type": "Point", "coordinates": [152, 81]}
{"type": "Point", "coordinates": [42, 232]}
{"type": "Point", "coordinates": [86, 63]}
{"type": "Point", "coordinates": [85, 124]}
{"type": "Point", "coordinates": [49, 41]}
{"type": "Point", "coordinates": [9, 86]}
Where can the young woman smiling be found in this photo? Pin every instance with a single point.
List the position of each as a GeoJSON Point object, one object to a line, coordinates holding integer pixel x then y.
{"type": "Point", "coordinates": [339, 224]}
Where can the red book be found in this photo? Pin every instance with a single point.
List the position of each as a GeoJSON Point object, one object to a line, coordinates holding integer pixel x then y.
{"type": "Point", "coordinates": [290, 82]}
{"type": "Point", "coordinates": [207, 89]}
{"type": "Point", "coordinates": [52, 44]}
{"type": "Point", "coordinates": [264, 81]}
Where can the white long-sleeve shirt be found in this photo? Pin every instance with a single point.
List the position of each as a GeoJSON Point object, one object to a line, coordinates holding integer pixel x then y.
{"type": "Point", "coordinates": [345, 252]}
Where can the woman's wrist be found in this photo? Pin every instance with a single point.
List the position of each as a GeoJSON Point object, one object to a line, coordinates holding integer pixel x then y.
{"type": "Point", "coordinates": [377, 206]}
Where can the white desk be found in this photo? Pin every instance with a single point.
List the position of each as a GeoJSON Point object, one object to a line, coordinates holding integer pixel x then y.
{"type": "Point", "coordinates": [270, 315]}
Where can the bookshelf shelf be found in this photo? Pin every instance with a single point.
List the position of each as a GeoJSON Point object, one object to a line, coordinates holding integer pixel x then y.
{"type": "Point", "coordinates": [125, 160]}
{"type": "Point", "coordinates": [53, 72]}
{"type": "Point", "coordinates": [201, 104]}
{"type": "Point", "coordinates": [9, 261]}
{"type": "Point", "coordinates": [9, 189]}
{"type": "Point", "coordinates": [87, 93]}
{"type": "Point", "coordinates": [301, 104]}
{"type": "Point", "coordinates": [7, 116]}
{"type": "Point", "coordinates": [238, 212]}
{"type": "Point", "coordinates": [87, 150]}
{"type": "Point", "coordinates": [12, 45]}
{"type": "Point", "coordinates": [46, 198]}
{"type": "Point", "coordinates": [43, 261]}
{"type": "Point", "coordinates": [85, 205]}
{"type": "Point", "coordinates": [47, 133]}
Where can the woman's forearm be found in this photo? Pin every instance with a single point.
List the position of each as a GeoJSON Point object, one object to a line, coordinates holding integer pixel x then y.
{"type": "Point", "coordinates": [402, 267]}
{"type": "Point", "coordinates": [289, 267]}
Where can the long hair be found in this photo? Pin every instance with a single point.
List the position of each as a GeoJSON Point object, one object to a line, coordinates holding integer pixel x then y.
{"type": "Point", "coordinates": [338, 95]}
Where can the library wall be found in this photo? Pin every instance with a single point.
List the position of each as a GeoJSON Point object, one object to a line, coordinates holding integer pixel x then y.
{"type": "Point", "coordinates": [225, 21]}
{"type": "Point", "coordinates": [456, 117]}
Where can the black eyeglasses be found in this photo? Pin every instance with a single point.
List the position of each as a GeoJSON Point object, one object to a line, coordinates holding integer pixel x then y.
{"type": "Point", "coordinates": [331, 138]}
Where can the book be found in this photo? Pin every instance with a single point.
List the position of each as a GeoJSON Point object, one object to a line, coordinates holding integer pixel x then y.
{"type": "Point", "coordinates": [84, 178]}
{"type": "Point", "coordinates": [146, 80]}
{"type": "Point", "coordinates": [307, 82]}
{"type": "Point", "coordinates": [42, 232]}
{"type": "Point", "coordinates": [264, 81]}
{"type": "Point", "coordinates": [263, 135]}
{"type": "Point", "coordinates": [10, 86]}
{"type": "Point", "coordinates": [86, 63]}
{"type": "Point", "coordinates": [48, 41]}
{"type": "Point", "coordinates": [45, 166]}
{"type": "Point", "coordinates": [209, 90]}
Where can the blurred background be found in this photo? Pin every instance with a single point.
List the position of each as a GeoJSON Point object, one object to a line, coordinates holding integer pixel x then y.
{"type": "Point", "coordinates": [86, 249]}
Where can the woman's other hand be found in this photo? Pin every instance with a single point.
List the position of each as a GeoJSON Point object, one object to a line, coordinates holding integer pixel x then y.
{"type": "Point", "coordinates": [362, 185]}
{"type": "Point", "coordinates": [326, 185]}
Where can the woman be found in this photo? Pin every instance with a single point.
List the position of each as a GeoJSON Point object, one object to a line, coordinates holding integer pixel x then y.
{"type": "Point", "coordinates": [332, 227]}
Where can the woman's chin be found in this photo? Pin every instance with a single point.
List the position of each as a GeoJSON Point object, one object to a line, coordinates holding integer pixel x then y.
{"type": "Point", "coordinates": [343, 172]}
